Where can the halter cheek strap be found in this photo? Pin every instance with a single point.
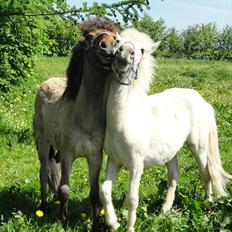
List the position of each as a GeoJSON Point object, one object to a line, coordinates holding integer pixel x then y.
{"type": "Point", "coordinates": [136, 68]}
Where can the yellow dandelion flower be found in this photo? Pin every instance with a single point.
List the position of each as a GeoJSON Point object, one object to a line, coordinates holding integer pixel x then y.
{"type": "Point", "coordinates": [57, 202]}
{"type": "Point", "coordinates": [39, 213]}
{"type": "Point", "coordinates": [18, 98]}
{"type": "Point", "coordinates": [102, 212]}
{"type": "Point", "coordinates": [83, 215]}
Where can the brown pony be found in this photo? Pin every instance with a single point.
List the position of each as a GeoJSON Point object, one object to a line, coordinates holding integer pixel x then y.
{"type": "Point", "coordinates": [69, 120]}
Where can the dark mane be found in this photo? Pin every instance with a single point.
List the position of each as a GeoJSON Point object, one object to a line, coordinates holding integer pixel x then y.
{"type": "Point", "coordinates": [75, 68]}
{"type": "Point", "coordinates": [96, 22]}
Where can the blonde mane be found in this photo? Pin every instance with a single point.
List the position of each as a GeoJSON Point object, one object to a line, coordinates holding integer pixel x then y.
{"type": "Point", "coordinates": [147, 65]}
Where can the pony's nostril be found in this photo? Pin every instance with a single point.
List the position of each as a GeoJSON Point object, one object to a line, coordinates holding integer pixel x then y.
{"type": "Point", "coordinates": [103, 44]}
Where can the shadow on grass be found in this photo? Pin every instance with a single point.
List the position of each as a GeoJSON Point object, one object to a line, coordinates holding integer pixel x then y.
{"type": "Point", "coordinates": [13, 136]}
{"type": "Point", "coordinates": [14, 199]}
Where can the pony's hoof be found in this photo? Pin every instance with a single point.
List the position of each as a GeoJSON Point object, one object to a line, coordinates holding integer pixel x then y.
{"type": "Point", "coordinates": [115, 226]}
{"type": "Point", "coordinates": [165, 209]}
{"type": "Point", "coordinates": [131, 229]}
{"type": "Point", "coordinates": [210, 198]}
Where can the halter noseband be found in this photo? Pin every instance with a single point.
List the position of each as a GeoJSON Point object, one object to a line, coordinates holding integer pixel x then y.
{"type": "Point", "coordinates": [134, 68]}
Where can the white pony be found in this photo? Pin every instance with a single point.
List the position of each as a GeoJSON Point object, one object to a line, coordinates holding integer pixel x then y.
{"type": "Point", "coordinates": [144, 130]}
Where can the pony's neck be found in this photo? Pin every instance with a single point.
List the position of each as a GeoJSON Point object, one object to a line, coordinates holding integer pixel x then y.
{"type": "Point", "coordinates": [91, 99]}
{"type": "Point", "coordinates": [119, 98]}
{"type": "Point", "coordinates": [123, 98]}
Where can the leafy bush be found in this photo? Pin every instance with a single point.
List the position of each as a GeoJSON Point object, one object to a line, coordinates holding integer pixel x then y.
{"type": "Point", "coordinates": [52, 32]}
{"type": "Point", "coordinates": [175, 44]}
{"type": "Point", "coordinates": [225, 44]}
{"type": "Point", "coordinates": [62, 35]}
{"type": "Point", "coordinates": [200, 41]}
{"type": "Point", "coordinates": [196, 42]}
{"type": "Point", "coordinates": [156, 29]}
{"type": "Point", "coordinates": [21, 38]}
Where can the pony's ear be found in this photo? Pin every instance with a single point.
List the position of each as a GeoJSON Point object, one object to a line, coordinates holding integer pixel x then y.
{"type": "Point", "coordinates": [154, 47]}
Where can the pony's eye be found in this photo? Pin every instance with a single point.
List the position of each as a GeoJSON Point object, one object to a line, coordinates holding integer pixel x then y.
{"type": "Point", "coordinates": [89, 37]}
{"type": "Point", "coordinates": [142, 50]}
{"type": "Point", "coordinates": [117, 41]}
{"type": "Point", "coordinates": [132, 53]}
{"type": "Point", "coordinates": [114, 37]}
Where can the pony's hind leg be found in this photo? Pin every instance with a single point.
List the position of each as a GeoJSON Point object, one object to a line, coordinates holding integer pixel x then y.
{"type": "Point", "coordinates": [43, 152]}
{"type": "Point", "coordinates": [64, 191]}
{"type": "Point", "coordinates": [54, 172]}
{"type": "Point", "coordinates": [112, 170]}
{"type": "Point", "coordinates": [95, 162]}
{"type": "Point", "coordinates": [173, 175]}
{"type": "Point", "coordinates": [201, 155]}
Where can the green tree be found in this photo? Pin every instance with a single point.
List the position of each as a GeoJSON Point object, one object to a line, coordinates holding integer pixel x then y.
{"type": "Point", "coordinates": [62, 34]}
{"type": "Point", "coordinates": [23, 35]}
{"type": "Point", "coordinates": [225, 44]}
{"type": "Point", "coordinates": [175, 43]}
{"type": "Point", "coordinates": [156, 29]}
{"type": "Point", "coordinates": [200, 41]}
{"type": "Point", "coordinates": [20, 39]}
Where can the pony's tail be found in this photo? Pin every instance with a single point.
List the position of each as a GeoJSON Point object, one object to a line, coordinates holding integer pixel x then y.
{"type": "Point", "coordinates": [54, 176]}
{"type": "Point", "coordinates": [217, 174]}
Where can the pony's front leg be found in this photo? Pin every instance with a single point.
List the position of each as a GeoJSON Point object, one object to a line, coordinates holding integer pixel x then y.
{"type": "Point", "coordinates": [173, 174]}
{"type": "Point", "coordinates": [112, 170]}
{"type": "Point", "coordinates": [135, 173]}
{"type": "Point", "coordinates": [95, 162]}
{"type": "Point", "coordinates": [63, 192]}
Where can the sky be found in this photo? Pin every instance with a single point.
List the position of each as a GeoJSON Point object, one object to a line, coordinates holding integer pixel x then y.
{"type": "Point", "coordinates": [182, 13]}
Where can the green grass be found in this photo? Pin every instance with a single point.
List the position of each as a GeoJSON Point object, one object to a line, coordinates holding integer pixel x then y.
{"type": "Point", "coordinates": [19, 165]}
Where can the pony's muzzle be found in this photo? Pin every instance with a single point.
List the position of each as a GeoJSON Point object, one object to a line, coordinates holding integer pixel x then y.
{"type": "Point", "coordinates": [107, 48]}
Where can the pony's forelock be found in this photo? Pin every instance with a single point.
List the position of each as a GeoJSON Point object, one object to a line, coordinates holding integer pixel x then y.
{"type": "Point", "coordinates": [75, 68]}
{"type": "Point", "coordinates": [94, 23]}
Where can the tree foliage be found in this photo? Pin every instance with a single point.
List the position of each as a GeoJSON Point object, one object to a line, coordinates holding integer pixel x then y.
{"type": "Point", "coordinates": [225, 43]}
{"type": "Point", "coordinates": [62, 34]}
{"type": "Point", "coordinates": [175, 43]}
{"type": "Point", "coordinates": [196, 42]}
{"type": "Point", "coordinates": [53, 32]}
{"type": "Point", "coordinates": [156, 29]}
{"type": "Point", "coordinates": [20, 39]}
{"type": "Point", "coordinates": [200, 41]}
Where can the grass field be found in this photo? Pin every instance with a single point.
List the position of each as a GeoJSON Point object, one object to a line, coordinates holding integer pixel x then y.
{"type": "Point", "coordinates": [19, 165]}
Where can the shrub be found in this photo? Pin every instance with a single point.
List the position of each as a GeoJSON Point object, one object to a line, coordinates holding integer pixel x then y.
{"type": "Point", "coordinates": [62, 35]}
{"type": "Point", "coordinates": [225, 44]}
{"type": "Point", "coordinates": [21, 39]}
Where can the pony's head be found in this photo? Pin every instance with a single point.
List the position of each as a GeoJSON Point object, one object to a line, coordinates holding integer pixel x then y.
{"type": "Point", "coordinates": [98, 46]}
{"type": "Point", "coordinates": [134, 56]}
{"type": "Point", "coordinates": [100, 36]}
